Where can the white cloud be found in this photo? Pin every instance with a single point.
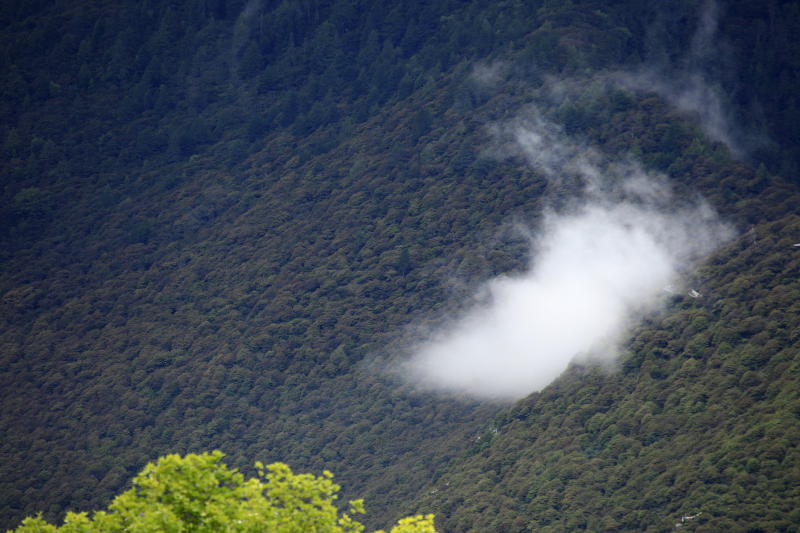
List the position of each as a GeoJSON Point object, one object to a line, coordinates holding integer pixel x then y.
{"type": "Point", "coordinates": [596, 269]}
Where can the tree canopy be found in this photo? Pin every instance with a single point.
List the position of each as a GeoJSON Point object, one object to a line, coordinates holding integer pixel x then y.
{"type": "Point", "coordinates": [199, 493]}
{"type": "Point", "coordinates": [218, 216]}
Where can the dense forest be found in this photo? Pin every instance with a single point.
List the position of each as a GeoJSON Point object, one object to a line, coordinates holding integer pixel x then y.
{"type": "Point", "coordinates": [220, 221]}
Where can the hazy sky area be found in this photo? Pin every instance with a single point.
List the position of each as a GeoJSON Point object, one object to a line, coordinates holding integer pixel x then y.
{"type": "Point", "coordinates": [597, 266]}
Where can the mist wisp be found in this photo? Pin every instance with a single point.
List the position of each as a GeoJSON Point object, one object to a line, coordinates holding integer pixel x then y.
{"type": "Point", "coordinates": [597, 265]}
{"type": "Point", "coordinates": [693, 84]}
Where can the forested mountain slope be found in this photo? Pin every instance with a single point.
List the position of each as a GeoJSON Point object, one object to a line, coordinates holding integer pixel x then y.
{"type": "Point", "coordinates": [216, 215]}
{"type": "Point", "coordinates": [700, 420]}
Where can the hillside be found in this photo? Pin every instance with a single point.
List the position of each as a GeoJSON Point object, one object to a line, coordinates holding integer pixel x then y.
{"type": "Point", "coordinates": [700, 420]}
{"type": "Point", "coordinates": [220, 218]}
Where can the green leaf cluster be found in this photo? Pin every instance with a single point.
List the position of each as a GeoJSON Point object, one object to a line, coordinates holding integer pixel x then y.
{"type": "Point", "coordinates": [198, 493]}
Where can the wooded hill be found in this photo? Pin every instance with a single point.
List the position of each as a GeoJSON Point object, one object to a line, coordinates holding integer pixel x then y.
{"type": "Point", "coordinates": [217, 215]}
{"type": "Point", "coordinates": [700, 421]}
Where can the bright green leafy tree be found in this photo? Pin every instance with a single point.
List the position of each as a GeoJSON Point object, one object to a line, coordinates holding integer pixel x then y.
{"type": "Point", "coordinates": [198, 493]}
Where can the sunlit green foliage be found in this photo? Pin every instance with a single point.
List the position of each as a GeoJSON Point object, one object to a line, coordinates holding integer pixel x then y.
{"type": "Point", "coordinates": [200, 494]}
